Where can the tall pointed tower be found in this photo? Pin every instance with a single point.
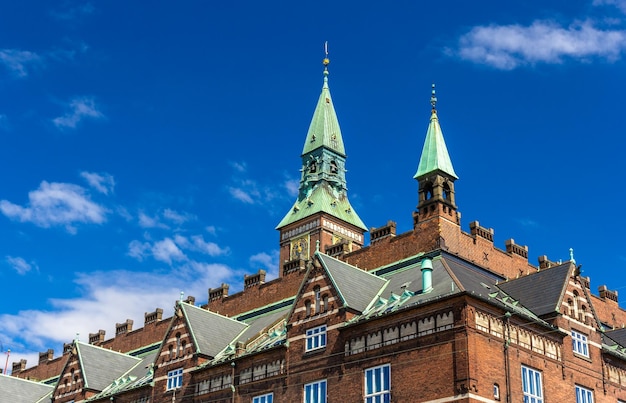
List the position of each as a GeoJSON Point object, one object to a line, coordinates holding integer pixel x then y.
{"type": "Point", "coordinates": [435, 176]}
{"type": "Point", "coordinates": [322, 216]}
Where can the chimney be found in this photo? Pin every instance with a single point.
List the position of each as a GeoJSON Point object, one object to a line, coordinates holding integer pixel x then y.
{"type": "Point", "coordinates": [427, 276]}
{"type": "Point", "coordinates": [121, 328]}
{"type": "Point", "coordinates": [46, 356]}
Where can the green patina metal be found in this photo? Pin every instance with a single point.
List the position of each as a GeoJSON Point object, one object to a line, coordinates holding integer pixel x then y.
{"type": "Point", "coordinates": [435, 155]}
{"type": "Point", "coordinates": [324, 130]}
{"type": "Point", "coordinates": [323, 186]}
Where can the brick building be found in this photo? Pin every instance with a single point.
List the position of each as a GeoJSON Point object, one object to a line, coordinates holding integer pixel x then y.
{"type": "Point", "coordinates": [435, 314]}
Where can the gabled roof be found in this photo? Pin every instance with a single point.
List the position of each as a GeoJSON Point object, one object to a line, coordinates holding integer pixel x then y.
{"type": "Point", "coordinates": [18, 390]}
{"type": "Point", "coordinates": [210, 331]}
{"type": "Point", "coordinates": [323, 200]}
{"type": "Point", "coordinates": [139, 375]}
{"type": "Point", "coordinates": [100, 366]}
{"type": "Point", "coordinates": [435, 155]}
{"type": "Point", "coordinates": [356, 288]}
{"type": "Point", "coordinates": [324, 130]}
{"type": "Point", "coordinates": [541, 292]}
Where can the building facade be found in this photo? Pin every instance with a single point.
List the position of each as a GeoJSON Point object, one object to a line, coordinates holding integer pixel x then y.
{"type": "Point", "coordinates": [436, 314]}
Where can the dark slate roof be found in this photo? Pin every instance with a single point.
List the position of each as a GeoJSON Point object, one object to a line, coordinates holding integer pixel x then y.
{"type": "Point", "coordinates": [141, 374]}
{"type": "Point", "coordinates": [357, 288]}
{"type": "Point", "coordinates": [542, 291]}
{"type": "Point", "coordinates": [451, 275]}
{"type": "Point", "coordinates": [17, 390]}
{"type": "Point", "coordinates": [258, 324]}
{"type": "Point", "coordinates": [100, 366]}
{"type": "Point", "coordinates": [211, 332]}
{"type": "Point", "coordinates": [617, 336]}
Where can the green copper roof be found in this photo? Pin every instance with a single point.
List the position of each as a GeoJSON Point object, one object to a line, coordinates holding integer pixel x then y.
{"type": "Point", "coordinates": [324, 130]}
{"type": "Point", "coordinates": [323, 199]}
{"type": "Point", "coordinates": [435, 155]}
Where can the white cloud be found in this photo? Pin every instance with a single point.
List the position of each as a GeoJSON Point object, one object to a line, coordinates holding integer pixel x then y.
{"type": "Point", "coordinates": [621, 4]}
{"type": "Point", "coordinates": [268, 262]}
{"type": "Point", "coordinates": [18, 62]}
{"type": "Point", "coordinates": [80, 108]}
{"type": "Point", "coordinates": [167, 251]}
{"type": "Point", "coordinates": [109, 297]}
{"type": "Point", "coordinates": [196, 243]}
{"type": "Point", "coordinates": [292, 186]}
{"type": "Point", "coordinates": [176, 217]}
{"type": "Point", "coordinates": [241, 195]}
{"type": "Point", "coordinates": [507, 47]}
{"type": "Point", "coordinates": [103, 183]}
{"type": "Point", "coordinates": [146, 221]}
{"type": "Point", "coordinates": [238, 166]}
{"type": "Point", "coordinates": [56, 204]}
{"type": "Point", "coordinates": [20, 265]}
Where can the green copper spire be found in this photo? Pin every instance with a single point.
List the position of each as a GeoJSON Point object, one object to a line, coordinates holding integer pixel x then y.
{"type": "Point", "coordinates": [323, 186]}
{"type": "Point", "coordinates": [435, 155]}
{"type": "Point", "coordinates": [324, 130]}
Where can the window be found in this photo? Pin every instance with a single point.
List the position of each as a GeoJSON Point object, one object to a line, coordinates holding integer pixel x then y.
{"type": "Point", "coordinates": [179, 350]}
{"type": "Point", "coordinates": [583, 395]}
{"type": "Point", "coordinates": [496, 391]}
{"type": "Point", "coordinates": [267, 398]}
{"type": "Point", "coordinates": [531, 385]}
{"type": "Point", "coordinates": [378, 384]}
{"type": "Point", "coordinates": [315, 392]}
{"type": "Point", "coordinates": [316, 338]}
{"type": "Point", "coordinates": [175, 379]}
{"type": "Point", "coordinates": [580, 344]}
{"type": "Point", "coordinates": [316, 290]}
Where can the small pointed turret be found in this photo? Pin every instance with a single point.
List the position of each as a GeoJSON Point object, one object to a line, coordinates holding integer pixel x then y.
{"type": "Point", "coordinates": [323, 194]}
{"type": "Point", "coordinates": [435, 153]}
{"type": "Point", "coordinates": [435, 173]}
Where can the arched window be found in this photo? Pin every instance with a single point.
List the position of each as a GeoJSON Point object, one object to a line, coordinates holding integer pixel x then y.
{"type": "Point", "coordinates": [307, 305]}
{"type": "Point", "coordinates": [325, 302]}
{"type": "Point", "coordinates": [171, 351]}
{"type": "Point", "coordinates": [446, 191]}
{"type": "Point", "coordinates": [428, 191]}
{"type": "Point", "coordinates": [179, 346]}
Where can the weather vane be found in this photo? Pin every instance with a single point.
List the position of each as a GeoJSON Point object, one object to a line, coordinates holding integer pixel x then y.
{"type": "Point", "coordinates": [433, 98]}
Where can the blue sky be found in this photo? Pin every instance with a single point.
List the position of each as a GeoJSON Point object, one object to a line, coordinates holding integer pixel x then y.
{"type": "Point", "coordinates": [151, 149]}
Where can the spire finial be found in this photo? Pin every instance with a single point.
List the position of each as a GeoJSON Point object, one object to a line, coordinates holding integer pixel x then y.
{"type": "Point", "coordinates": [326, 62]}
{"type": "Point", "coordinates": [433, 99]}
{"type": "Point", "coordinates": [571, 255]}
{"type": "Point", "coordinates": [182, 294]}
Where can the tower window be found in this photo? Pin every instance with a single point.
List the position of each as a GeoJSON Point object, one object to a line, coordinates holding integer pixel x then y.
{"type": "Point", "coordinates": [428, 191]}
{"type": "Point", "coordinates": [446, 191]}
{"type": "Point", "coordinates": [333, 167]}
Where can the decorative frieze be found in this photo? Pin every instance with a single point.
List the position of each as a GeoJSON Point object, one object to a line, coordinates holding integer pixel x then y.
{"type": "Point", "coordinates": [517, 335]}
{"type": "Point", "coordinates": [301, 229]}
{"type": "Point", "coordinates": [398, 333]}
{"type": "Point", "coordinates": [342, 230]}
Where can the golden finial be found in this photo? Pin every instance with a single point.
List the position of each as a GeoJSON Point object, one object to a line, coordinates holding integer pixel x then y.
{"type": "Point", "coordinates": [326, 61]}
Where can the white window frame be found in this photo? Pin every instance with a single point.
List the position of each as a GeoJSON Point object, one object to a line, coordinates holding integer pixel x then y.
{"type": "Point", "coordinates": [583, 395]}
{"type": "Point", "coordinates": [580, 343]}
{"type": "Point", "coordinates": [377, 386]}
{"type": "Point", "coordinates": [175, 379]}
{"type": "Point", "coordinates": [315, 338]}
{"type": "Point", "coordinates": [532, 385]}
{"type": "Point", "coordinates": [266, 398]}
{"type": "Point", "coordinates": [315, 392]}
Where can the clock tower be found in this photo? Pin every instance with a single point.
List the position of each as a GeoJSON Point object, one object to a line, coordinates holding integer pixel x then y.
{"type": "Point", "coordinates": [322, 217]}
